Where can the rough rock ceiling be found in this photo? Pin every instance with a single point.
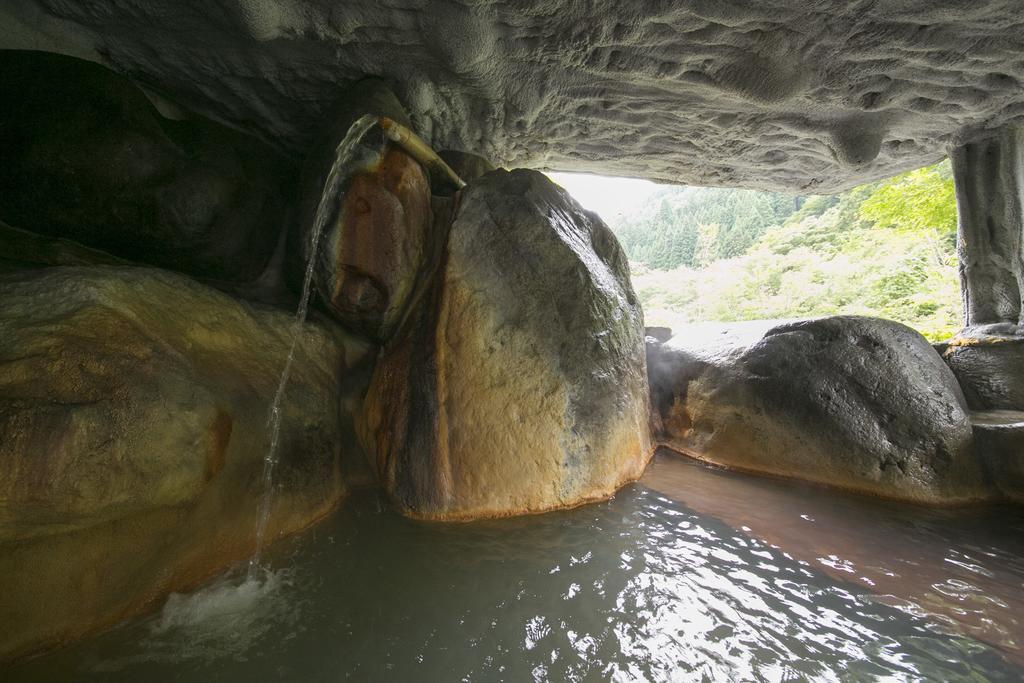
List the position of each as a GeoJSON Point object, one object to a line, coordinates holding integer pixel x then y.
{"type": "Point", "coordinates": [814, 95]}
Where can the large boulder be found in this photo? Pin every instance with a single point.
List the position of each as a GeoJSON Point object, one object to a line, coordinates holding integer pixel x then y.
{"type": "Point", "coordinates": [374, 245]}
{"type": "Point", "coordinates": [86, 156]}
{"type": "Point", "coordinates": [133, 425]}
{"type": "Point", "coordinates": [858, 403]}
{"type": "Point", "coordinates": [518, 383]}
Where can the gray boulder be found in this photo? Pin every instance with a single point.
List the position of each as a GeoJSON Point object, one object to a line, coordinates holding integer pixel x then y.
{"type": "Point", "coordinates": [858, 403]}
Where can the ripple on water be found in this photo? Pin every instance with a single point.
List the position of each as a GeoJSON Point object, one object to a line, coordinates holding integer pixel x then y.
{"type": "Point", "coordinates": [638, 588]}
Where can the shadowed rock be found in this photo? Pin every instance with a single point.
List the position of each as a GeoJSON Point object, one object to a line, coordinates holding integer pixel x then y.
{"type": "Point", "coordinates": [702, 92]}
{"type": "Point", "coordinates": [20, 249]}
{"type": "Point", "coordinates": [518, 383]}
{"type": "Point", "coordinates": [999, 443]}
{"type": "Point", "coordinates": [466, 165]}
{"type": "Point", "coordinates": [989, 367]}
{"type": "Point", "coordinates": [858, 403]}
{"type": "Point", "coordinates": [133, 413]}
{"type": "Point", "coordinates": [373, 248]}
{"type": "Point", "coordinates": [87, 157]}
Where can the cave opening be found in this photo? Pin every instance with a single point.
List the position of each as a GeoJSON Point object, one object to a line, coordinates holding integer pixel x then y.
{"type": "Point", "coordinates": [720, 255]}
{"type": "Point", "coordinates": [309, 372]}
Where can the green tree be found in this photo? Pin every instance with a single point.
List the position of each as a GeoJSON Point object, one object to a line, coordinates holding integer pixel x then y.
{"type": "Point", "coordinates": [884, 249]}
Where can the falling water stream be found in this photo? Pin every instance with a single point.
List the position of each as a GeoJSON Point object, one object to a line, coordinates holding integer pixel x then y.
{"type": "Point", "coordinates": [330, 201]}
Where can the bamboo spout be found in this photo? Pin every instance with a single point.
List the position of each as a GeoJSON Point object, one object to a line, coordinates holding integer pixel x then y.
{"type": "Point", "coordinates": [419, 150]}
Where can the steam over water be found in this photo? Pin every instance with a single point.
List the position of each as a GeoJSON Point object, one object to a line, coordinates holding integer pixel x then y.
{"type": "Point", "coordinates": [713, 576]}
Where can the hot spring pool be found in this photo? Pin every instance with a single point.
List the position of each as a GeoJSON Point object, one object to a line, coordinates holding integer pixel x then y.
{"type": "Point", "coordinates": [693, 574]}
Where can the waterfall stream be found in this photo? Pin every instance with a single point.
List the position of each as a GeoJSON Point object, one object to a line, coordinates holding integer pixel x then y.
{"type": "Point", "coordinates": [330, 201]}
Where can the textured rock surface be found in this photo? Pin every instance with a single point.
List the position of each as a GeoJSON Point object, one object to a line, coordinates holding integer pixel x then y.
{"type": "Point", "coordinates": [791, 94]}
{"type": "Point", "coordinates": [518, 384]}
{"type": "Point", "coordinates": [466, 165]}
{"type": "Point", "coordinates": [859, 403]}
{"type": "Point", "coordinates": [989, 367]}
{"type": "Point", "coordinates": [374, 246]}
{"type": "Point", "coordinates": [999, 442]}
{"type": "Point", "coordinates": [133, 408]}
{"type": "Point", "coordinates": [989, 178]}
{"type": "Point", "coordinates": [87, 157]}
{"type": "Point", "coordinates": [21, 249]}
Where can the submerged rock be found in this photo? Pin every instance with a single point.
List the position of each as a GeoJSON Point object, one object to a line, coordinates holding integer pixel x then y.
{"type": "Point", "coordinates": [87, 157]}
{"type": "Point", "coordinates": [373, 249]}
{"type": "Point", "coordinates": [133, 413]}
{"type": "Point", "coordinates": [518, 383]}
{"type": "Point", "coordinates": [858, 403]}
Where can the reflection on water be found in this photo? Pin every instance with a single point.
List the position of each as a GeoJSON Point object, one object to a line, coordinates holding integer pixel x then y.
{"type": "Point", "coordinates": [694, 582]}
{"type": "Point", "coordinates": [962, 568]}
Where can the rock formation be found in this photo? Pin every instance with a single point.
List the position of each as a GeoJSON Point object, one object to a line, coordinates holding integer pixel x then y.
{"type": "Point", "coordinates": [466, 165]}
{"type": "Point", "coordinates": [858, 403]}
{"type": "Point", "coordinates": [87, 157]}
{"type": "Point", "coordinates": [518, 384]}
{"type": "Point", "coordinates": [511, 375]}
{"type": "Point", "coordinates": [374, 248]}
{"type": "Point", "coordinates": [775, 94]}
{"type": "Point", "coordinates": [989, 367]}
{"type": "Point", "coordinates": [989, 177]}
{"type": "Point", "coordinates": [999, 445]}
{"type": "Point", "coordinates": [133, 407]}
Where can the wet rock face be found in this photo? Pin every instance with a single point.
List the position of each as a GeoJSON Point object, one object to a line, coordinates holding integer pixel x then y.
{"type": "Point", "coordinates": [87, 157]}
{"type": "Point", "coordinates": [372, 256]}
{"type": "Point", "coordinates": [518, 384]}
{"type": "Point", "coordinates": [133, 411]}
{"type": "Point", "coordinates": [858, 403]}
{"type": "Point", "coordinates": [774, 94]}
{"type": "Point", "coordinates": [373, 250]}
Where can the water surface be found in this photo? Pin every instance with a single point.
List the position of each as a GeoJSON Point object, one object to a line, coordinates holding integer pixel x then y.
{"type": "Point", "coordinates": [693, 574]}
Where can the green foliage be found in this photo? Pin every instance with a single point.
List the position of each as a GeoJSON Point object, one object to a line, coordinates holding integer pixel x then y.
{"type": "Point", "coordinates": [884, 249]}
{"type": "Point", "coordinates": [920, 200]}
{"type": "Point", "coordinates": [690, 226]}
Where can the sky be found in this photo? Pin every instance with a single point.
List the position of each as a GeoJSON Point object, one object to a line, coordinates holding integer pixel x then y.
{"type": "Point", "coordinates": [606, 195]}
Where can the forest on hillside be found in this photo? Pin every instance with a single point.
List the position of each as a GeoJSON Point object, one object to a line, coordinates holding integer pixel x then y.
{"type": "Point", "coordinates": [884, 249]}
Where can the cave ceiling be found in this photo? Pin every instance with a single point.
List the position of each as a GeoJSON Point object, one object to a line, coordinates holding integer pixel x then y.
{"type": "Point", "coordinates": [799, 95]}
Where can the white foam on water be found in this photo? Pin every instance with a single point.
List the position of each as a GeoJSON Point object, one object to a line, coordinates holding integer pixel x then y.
{"type": "Point", "coordinates": [224, 619]}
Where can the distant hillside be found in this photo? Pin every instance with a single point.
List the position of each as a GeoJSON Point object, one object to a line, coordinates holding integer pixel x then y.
{"type": "Point", "coordinates": [695, 226]}
{"type": "Point", "coordinates": [884, 249]}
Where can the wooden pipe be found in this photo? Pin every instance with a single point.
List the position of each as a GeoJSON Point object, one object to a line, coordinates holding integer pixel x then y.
{"type": "Point", "coordinates": [419, 150]}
